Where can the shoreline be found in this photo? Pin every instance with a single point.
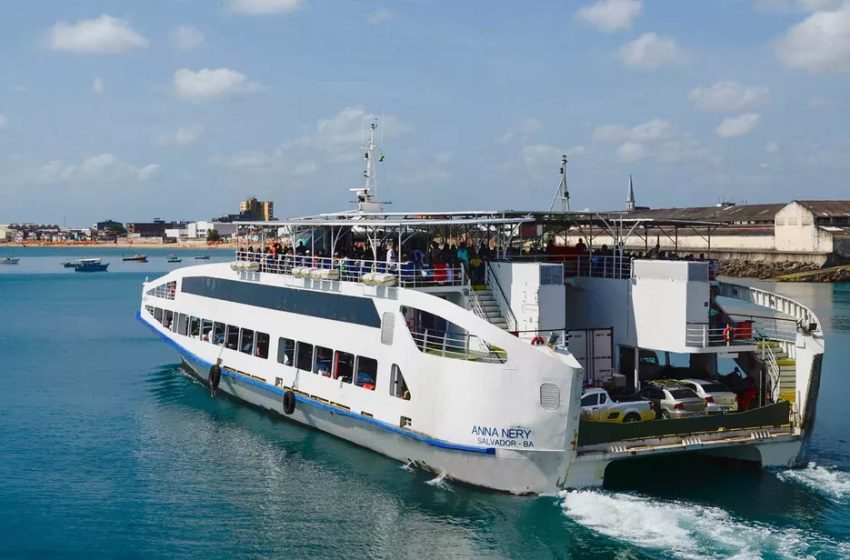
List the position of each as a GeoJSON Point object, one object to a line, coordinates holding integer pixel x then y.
{"type": "Point", "coordinates": [123, 245]}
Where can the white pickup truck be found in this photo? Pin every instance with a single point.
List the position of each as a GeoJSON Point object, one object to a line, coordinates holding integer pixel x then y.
{"type": "Point", "coordinates": [597, 404]}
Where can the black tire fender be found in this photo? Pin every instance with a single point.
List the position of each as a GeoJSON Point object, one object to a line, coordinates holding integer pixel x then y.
{"type": "Point", "coordinates": [288, 402]}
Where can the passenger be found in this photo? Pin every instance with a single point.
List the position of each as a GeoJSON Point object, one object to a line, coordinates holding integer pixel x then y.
{"type": "Point", "coordinates": [476, 269]}
{"type": "Point", "coordinates": [463, 254]}
{"type": "Point", "coordinates": [581, 248]}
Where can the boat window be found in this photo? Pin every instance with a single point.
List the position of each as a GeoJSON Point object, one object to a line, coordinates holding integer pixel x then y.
{"type": "Point", "coordinates": [367, 372]}
{"type": "Point", "coordinates": [398, 386]}
{"type": "Point", "coordinates": [194, 327]}
{"type": "Point", "coordinates": [337, 307]}
{"type": "Point", "coordinates": [304, 356]}
{"type": "Point", "coordinates": [167, 318]}
{"type": "Point", "coordinates": [262, 348]}
{"type": "Point", "coordinates": [343, 366]}
{"type": "Point", "coordinates": [183, 324]}
{"type": "Point", "coordinates": [435, 335]}
{"type": "Point", "coordinates": [231, 337]}
{"type": "Point", "coordinates": [218, 333]}
{"type": "Point", "coordinates": [286, 351]}
{"type": "Point", "coordinates": [157, 314]}
{"type": "Point", "coordinates": [165, 291]}
{"type": "Point", "coordinates": [246, 341]}
{"type": "Point", "coordinates": [590, 400]}
{"type": "Point", "coordinates": [149, 309]}
{"type": "Point", "coordinates": [206, 329]}
{"type": "Point", "coordinates": [324, 359]}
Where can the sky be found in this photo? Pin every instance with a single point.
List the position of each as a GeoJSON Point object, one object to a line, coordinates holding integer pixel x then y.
{"type": "Point", "coordinates": [178, 109]}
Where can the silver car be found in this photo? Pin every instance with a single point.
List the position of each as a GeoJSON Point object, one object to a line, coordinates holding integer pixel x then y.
{"type": "Point", "coordinates": [716, 395]}
{"type": "Point", "coordinates": [674, 400]}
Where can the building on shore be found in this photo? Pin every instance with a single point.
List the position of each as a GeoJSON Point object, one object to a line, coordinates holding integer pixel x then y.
{"type": "Point", "coordinates": [200, 230]}
{"type": "Point", "coordinates": [814, 232]}
{"type": "Point", "coordinates": [252, 209]}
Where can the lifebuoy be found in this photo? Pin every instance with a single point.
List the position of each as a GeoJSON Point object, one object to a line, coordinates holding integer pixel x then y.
{"type": "Point", "coordinates": [288, 402]}
{"type": "Point", "coordinates": [537, 341]}
{"type": "Point", "coordinates": [727, 333]}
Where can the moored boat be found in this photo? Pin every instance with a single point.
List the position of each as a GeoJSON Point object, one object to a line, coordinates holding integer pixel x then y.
{"type": "Point", "coordinates": [202, 257]}
{"type": "Point", "coordinates": [136, 258]}
{"type": "Point", "coordinates": [89, 265]}
{"type": "Point", "coordinates": [9, 260]}
{"type": "Point", "coordinates": [174, 259]}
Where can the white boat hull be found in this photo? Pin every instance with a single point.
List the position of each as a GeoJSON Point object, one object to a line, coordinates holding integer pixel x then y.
{"type": "Point", "coordinates": [518, 472]}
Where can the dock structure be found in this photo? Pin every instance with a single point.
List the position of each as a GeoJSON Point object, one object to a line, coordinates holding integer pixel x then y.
{"type": "Point", "coordinates": [808, 232]}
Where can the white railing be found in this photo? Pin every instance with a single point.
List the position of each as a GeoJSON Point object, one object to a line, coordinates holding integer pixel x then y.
{"type": "Point", "coordinates": [804, 316]}
{"type": "Point", "coordinates": [768, 357]}
{"type": "Point", "coordinates": [598, 266]}
{"type": "Point", "coordinates": [406, 274]}
{"type": "Point", "coordinates": [468, 347]}
{"type": "Point", "coordinates": [702, 335]}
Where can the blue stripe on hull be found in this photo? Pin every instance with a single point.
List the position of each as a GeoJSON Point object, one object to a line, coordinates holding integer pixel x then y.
{"type": "Point", "coordinates": [316, 404]}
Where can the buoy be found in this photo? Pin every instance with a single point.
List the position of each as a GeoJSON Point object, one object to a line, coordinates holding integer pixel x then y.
{"type": "Point", "coordinates": [288, 402]}
{"type": "Point", "coordinates": [537, 341]}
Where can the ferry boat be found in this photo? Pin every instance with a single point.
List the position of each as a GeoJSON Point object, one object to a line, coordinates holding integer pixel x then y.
{"type": "Point", "coordinates": [136, 258]}
{"type": "Point", "coordinates": [89, 265]}
{"type": "Point", "coordinates": [359, 324]}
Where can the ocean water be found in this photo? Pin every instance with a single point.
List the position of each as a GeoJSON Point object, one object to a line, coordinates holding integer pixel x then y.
{"type": "Point", "coordinates": [108, 451]}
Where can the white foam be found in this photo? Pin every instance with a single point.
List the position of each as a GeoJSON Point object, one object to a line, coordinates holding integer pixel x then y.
{"type": "Point", "coordinates": [686, 530]}
{"type": "Point", "coordinates": [828, 481]}
{"type": "Point", "coordinates": [439, 481]}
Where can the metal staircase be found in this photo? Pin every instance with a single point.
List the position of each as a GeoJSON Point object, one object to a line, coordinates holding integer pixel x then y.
{"type": "Point", "coordinates": [488, 308]}
{"type": "Point", "coordinates": [781, 369]}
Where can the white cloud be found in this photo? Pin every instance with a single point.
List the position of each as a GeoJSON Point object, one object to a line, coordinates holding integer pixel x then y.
{"type": "Point", "coordinates": [345, 131]}
{"type": "Point", "coordinates": [209, 84]}
{"type": "Point", "coordinates": [379, 16]}
{"type": "Point", "coordinates": [186, 38]}
{"type": "Point", "coordinates": [148, 172]}
{"type": "Point", "coordinates": [183, 136]}
{"type": "Point", "coordinates": [658, 139]}
{"type": "Point", "coordinates": [650, 51]}
{"type": "Point", "coordinates": [105, 34]}
{"type": "Point", "coordinates": [738, 126]}
{"type": "Point", "coordinates": [820, 5]}
{"type": "Point", "coordinates": [819, 43]}
{"type": "Point", "coordinates": [772, 147]}
{"type": "Point", "coordinates": [257, 7]}
{"type": "Point", "coordinates": [97, 85]}
{"type": "Point", "coordinates": [4, 120]}
{"type": "Point", "coordinates": [611, 15]}
{"type": "Point", "coordinates": [105, 167]}
{"type": "Point", "coordinates": [656, 129]}
{"type": "Point", "coordinates": [541, 154]}
{"type": "Point", "coordinates": [246, 160]}
{"type": "Point", "coordinates": [728, 96]}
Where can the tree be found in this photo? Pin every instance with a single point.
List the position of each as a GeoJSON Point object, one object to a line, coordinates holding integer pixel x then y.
{"type": "Point", "coordinates": [213, 236]}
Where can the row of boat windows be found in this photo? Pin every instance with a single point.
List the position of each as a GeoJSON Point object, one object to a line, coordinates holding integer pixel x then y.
{"type": "Point", "coordinates": [344, 366]}
{"type": "Point", "coordinates": [247, 341]}
{"type": "Point", "coordinates": [165, 291]}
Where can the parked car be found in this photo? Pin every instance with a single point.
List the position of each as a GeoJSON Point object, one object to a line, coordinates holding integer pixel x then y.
{"type": "Point", "coordinates": [717, 396]}
{"type": "Point", "coordinates": [673, 400]}
{"type": "Point", "coordinates": [597, 404]}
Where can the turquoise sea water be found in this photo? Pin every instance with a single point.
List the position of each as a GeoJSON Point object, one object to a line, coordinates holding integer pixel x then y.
{"type": "Point", "coordinates": [107, 451]}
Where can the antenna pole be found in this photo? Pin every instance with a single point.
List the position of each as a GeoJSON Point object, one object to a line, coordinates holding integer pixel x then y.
{"type": "Point", "coordinates": [562, 193]}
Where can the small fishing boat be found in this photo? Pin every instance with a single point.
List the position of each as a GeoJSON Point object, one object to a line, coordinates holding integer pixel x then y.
{"type": "Point", "coordinates": [69, 264]}
{"type": "Point", "coordinates": [136, 258]}
{"type": "Point", "coordinates": [89, 265]}
{"type": "Point", "coordinates": [202, 257]}
{"type": "Point", "coordinates": [9, 260]}
{"type": "Point", "coordinates": [174, 259]}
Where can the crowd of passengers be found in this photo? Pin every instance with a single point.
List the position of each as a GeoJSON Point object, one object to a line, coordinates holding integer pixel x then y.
{"type": "Point", "coordinates": [441, 261]}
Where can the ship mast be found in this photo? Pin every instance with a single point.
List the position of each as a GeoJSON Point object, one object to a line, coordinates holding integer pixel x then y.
{"type": "Point", "coordinates": [562, 193]}
{"type": "Point", "coordinates": [366, 194]}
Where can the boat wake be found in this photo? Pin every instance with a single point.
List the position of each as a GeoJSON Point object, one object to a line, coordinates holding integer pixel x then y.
{"type": "Point", "coordinates": [684, 530]}
{"type": "Point", "coordinates": [828, 481]}
{"type": "Point", "coordinates": [440, 482]}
